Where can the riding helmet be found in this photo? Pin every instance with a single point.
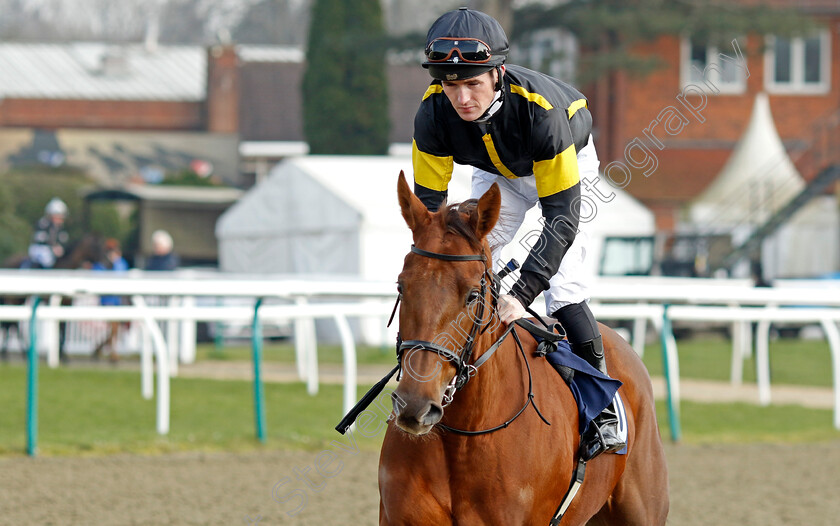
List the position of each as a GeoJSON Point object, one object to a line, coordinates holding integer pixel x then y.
{"type": "Point", "coordinates": [472, 25]}
{"type": "Point", "coordinates": [55, 207]}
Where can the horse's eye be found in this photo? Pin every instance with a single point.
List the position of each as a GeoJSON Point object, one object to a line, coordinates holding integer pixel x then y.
{"type": "Point", "coordinates": [473, 296]}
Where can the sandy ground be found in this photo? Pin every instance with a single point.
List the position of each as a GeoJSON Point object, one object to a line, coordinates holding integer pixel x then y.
{"type": "Point", "coordinates": [761, 484]}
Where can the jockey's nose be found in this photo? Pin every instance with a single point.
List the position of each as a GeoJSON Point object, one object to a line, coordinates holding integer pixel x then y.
{"type": "Point", "coordinates": [464, 95]}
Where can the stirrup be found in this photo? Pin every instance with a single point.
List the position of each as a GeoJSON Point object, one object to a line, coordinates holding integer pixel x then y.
{"type": "Point", "coordinates": [593, 443]}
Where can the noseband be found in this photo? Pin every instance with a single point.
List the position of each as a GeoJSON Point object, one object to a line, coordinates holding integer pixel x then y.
{"type": "Point", "coordinates": [461, 360]}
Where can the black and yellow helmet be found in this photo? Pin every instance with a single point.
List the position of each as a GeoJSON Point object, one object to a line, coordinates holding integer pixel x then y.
{"type": "Point", "coordinates": [464, 43]}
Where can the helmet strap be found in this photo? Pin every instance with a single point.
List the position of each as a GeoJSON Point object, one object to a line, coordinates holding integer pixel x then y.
{"type": "Point", "coordinates": [498, 99]}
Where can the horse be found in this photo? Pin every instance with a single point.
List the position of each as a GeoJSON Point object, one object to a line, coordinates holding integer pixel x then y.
{"type": "Point", "coordinates": [88, 249]}
{"type": "Point", "coordinates": [475, 462]}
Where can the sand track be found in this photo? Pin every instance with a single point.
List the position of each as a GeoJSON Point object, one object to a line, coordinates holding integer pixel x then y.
{"type": "Point", "coordinates": [721, 485]}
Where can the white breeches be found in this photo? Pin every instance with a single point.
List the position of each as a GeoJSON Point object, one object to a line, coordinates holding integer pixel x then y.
{"type": "Point", "coordinates": [571, 282]}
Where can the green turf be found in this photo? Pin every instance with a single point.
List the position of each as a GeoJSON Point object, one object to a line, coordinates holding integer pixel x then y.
{"type": "Point", "coordinates": [101, 411]}
{"type": "Point", "coordinates": [792, 361]}
{"type": "Point", "coordinates": [740, 422]}
{"type": "Point", "coordinates": [284, 352]}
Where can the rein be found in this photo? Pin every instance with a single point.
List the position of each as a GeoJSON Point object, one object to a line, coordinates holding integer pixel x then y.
{"type": "Point", "coordinates": [465, 369]}
{"type": "Point", "coordinates": [461, 360]}
{"type": "Point", "coordinates": [530, 399]}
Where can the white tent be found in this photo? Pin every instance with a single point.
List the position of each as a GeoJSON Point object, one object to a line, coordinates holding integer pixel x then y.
{"type": "Point", "coordinates": [339, 215]}
{"type": "Point", "coordinates": [757, 179]}
{"type": "Point", "coordinates": [335, 215]}
{"type": "Point", "coordinates": [322, 215]}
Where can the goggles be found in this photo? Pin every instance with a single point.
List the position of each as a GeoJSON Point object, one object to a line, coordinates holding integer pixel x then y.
{"type": "Point", "coordinates": [471, 50]}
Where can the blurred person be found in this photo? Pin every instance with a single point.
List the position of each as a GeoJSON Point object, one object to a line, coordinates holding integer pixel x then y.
{"type": "Point", "coordinates": [163, 255]}
{"type": "Point", "coordinates": [530, 134]}
{"type": "Point", "coordinates": [49, 242]}
{"type": "Point", "coordinates": [112, 261]}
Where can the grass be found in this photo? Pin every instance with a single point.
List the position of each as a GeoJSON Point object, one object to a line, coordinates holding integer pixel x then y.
{"type": "Point", "coordinates": [284, 352]}
{"type": "Point", "coordinates": [83, 412]}
{"type": "Point", "coordinates": [97, 411]}
{"type": "Point", "coordinates": [792, 361]}
{"type": "Point", "coordinates": [741, 423]}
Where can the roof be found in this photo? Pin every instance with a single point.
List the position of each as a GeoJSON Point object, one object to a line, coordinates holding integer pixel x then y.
{"type": "Point", "coordinates": [758, 178]}
{"type": "Point", "coordinates": [270, 54]}
{"type": "Point", "coordinates": [683, 171]}
{"type": "Point", "coordinates": [168, 194]}
{"type": "Point", "coordinates": [99, 71]}
{"type": "Point", "coordinates": [807, 6]}
{"type": "Point", "coordinates": [271, 103]}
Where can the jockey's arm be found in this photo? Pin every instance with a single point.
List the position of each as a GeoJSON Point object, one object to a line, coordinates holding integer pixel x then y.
{"type": "Point", "coordinates": [560, 213]}
{"type": "Point", "coordinates": [558, 187]}
{"type": "Point", "coordinates": [431, 176]}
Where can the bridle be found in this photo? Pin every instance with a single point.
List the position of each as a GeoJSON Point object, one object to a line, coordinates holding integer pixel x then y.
{"type": "Point", "coordinates": [462, 361]}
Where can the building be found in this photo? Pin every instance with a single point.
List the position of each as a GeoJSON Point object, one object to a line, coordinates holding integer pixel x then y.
{"type": "Point", "coordinates": [670, 133]}
{"type": "Point", "coordinates": [666, 137]}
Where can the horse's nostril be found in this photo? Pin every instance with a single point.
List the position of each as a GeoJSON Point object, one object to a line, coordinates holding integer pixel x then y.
{"type": "Point", "coordinates": [433, 415]}
{"type": "Point", "coordinates": [397, 403]}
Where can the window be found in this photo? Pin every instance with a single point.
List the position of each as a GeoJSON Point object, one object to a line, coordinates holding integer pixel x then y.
{"type": "Point", "coordinates": [798, 65]}
{"type": "Point", "coordinates": [627, 256]}
{"type": "Point", "coordinates": [713, 69]}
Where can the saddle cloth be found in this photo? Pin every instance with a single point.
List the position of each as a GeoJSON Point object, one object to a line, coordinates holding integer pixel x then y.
{"type": "Point", "coordinates": [593, 391]}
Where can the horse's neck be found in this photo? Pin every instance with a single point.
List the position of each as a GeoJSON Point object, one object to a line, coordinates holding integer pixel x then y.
{"type": "Point", "coordinates": [498, 389]}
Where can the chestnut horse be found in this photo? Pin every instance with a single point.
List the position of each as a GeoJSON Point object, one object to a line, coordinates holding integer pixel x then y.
{"type": "Point", "coordinates": [432, 472]}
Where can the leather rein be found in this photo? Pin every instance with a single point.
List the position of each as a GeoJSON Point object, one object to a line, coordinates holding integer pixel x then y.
{"type": "Point", "coordinates": [465, 370]}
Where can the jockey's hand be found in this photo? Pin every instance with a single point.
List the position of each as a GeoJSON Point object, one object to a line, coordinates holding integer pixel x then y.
{"type": "Point", "coordinates": [510, 309]}
{"type": "Point", "coordinates": [58, 250]}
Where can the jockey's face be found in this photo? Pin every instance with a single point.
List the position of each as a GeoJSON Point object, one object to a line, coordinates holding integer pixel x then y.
{"type": "Point", "coordinates": [57, 219]}
{"type": "Point", "coordinates": [471, 97]}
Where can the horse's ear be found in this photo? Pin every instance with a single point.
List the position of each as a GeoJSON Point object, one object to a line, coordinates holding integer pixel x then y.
{"type": "Point", "coordinates": [487, 211]}
{"type": "Point", "coordinates": [414, 211]}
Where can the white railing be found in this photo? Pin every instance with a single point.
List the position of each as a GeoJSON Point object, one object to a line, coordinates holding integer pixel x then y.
{"type": "Point", "coordinates": [638, 299]}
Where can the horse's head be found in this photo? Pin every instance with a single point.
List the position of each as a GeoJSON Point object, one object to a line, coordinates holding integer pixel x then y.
{"type": "Point", "coordinates": [446, 292]}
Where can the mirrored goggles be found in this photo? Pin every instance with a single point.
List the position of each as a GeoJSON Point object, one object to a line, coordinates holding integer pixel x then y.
{"type": "Point", "coordinates": [470, 50]}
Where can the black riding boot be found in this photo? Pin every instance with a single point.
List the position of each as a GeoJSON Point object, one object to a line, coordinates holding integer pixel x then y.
{"type": "Point", "coordinates": [603, 437]}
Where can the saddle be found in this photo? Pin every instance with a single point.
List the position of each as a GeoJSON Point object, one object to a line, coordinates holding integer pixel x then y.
{"type": "Point", "coordinates": [593, 391]}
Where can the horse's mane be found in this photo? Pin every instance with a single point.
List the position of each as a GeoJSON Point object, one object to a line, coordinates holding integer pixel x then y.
{"type": "Point", "coordinates": [456, 221]}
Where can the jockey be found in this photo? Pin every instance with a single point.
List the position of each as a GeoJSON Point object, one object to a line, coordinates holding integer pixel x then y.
{"type": "Point", "coordinates": [49, 241]}
{"type": "Point", "coordinates": [531, 134]}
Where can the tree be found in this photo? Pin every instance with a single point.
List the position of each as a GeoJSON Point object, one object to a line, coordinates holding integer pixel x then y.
{"type": "Point", "coordinates": [345, 85]}
{"type": "Point", "coordinates": [14, 232]}
{"type": "Point", "coordinates": [608, 30]}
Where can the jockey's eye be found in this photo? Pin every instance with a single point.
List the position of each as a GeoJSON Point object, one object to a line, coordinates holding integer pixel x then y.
{"type": "Point", "coordinates": [474, 295]}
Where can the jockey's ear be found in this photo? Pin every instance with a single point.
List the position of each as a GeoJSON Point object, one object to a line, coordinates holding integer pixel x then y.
{"type": "Point", "coordinates": [487, 211]}
{"type": "Point", "coordinates": [414, 211]}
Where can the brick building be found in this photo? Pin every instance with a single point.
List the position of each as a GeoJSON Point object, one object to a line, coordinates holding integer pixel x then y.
{"type": "Point", "coordinates": [669, 134]}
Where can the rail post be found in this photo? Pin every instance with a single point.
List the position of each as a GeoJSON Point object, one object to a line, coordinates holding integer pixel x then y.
{"type": "Point", "coordinates": [673, 411]}
{"type": "Point", "coordinates": [32, 383]}
{"type": "Point", "coordinates": [259, 393]}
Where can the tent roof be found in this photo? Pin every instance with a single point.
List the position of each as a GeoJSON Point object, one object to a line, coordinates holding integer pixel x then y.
{"type": "Point", "coordinates": [759, 175]}
{"type": "Point", "coordinates": [368, 186]}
